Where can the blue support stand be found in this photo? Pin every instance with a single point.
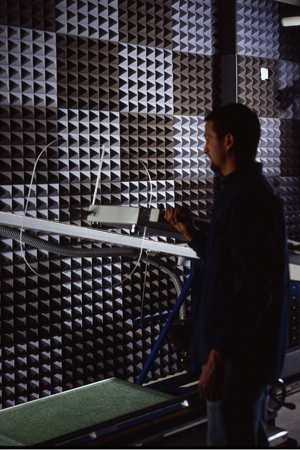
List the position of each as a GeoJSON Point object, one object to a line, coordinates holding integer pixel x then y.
{"type": "Point", "coordinates": [170, 319]}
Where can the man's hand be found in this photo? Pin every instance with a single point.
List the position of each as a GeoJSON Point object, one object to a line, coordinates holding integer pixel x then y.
{"type": "Point", "coordinates": [212, 379]}
{"type": "Point", "coordinates": [181, 218]}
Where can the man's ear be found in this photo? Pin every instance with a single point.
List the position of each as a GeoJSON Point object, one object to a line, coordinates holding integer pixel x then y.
{"type": "Point", "coordinates": [229, 141]}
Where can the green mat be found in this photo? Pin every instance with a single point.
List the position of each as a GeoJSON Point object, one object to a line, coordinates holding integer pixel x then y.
{"type": "Point", "coordinates": [6, 442]}
{"type": "Point", "coordinates": [39, 420]}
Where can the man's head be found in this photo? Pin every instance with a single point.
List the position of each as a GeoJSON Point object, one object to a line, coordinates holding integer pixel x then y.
{"type": "Point", "coordinates": [232, 134]}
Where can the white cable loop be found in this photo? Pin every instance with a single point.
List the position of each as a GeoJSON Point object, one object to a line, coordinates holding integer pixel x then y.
{"type": "Point", "coordinates": [26, 207]}
{"type": "Point", "coordinates": [98, 177]}
{"type": "Point", "coordinates": [144, 286]}
{"type": "Point", "coordinates": [93, 203]}
{"type": "Point", "coordinates": [145, 228]}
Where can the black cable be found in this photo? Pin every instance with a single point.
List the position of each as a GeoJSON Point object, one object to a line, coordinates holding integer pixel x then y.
{"type": "Point", "coordinates": [63, 250]}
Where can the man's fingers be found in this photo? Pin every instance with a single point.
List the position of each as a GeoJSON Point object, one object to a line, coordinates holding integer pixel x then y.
{"type": "Point", "coordinates": [176, 215]}
{"type": "Point", "coordinates": [170, 216]}
{"type": "Point", "coordinates": [204, 389]}
{"type": "Point", "coordinates": [210, 395]}
{"type": "Point", "coordinates": [209, 389]}
{"type": "Point", "coordinates": [181, 218]}
{"type": "Point", "coordinates": [206, 393]}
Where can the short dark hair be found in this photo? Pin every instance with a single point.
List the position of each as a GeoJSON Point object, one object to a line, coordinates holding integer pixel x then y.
{"type": "Point", "coordinates": [242, 123]}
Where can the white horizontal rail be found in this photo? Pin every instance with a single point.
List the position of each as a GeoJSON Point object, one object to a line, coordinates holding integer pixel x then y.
{"type": "Point", "coordinates": [50, 227]}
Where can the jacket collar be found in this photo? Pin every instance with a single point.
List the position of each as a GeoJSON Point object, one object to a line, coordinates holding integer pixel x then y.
{"type": "Point", "coordinates": [249, 169]}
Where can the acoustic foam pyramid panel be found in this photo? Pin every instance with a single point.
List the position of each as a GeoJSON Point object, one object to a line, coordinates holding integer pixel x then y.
{"type": "Point", "coordinates": [257, 24]}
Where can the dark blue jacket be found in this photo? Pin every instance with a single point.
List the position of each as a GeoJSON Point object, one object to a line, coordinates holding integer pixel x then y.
{"type": "Point", "coordinates": [242, 299]}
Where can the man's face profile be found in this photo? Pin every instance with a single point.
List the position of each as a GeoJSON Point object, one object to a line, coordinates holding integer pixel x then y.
{"type": "Point", "coordinates": [214, 148]}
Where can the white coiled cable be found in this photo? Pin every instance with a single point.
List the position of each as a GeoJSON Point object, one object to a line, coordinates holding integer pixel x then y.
{"type": "Point", "coordinates": [93, 203]}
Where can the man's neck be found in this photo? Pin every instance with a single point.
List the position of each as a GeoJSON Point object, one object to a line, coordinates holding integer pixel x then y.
{"type": "Point", "coordinates": [229, 168]}
{"type": "Point", "coordinates": [232, 165]}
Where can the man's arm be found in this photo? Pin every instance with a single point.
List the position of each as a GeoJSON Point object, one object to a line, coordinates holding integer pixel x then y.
{"type": "Point", "coordinates": [212, 379]}
{"type": "Point", "coordinates": [182, 219]}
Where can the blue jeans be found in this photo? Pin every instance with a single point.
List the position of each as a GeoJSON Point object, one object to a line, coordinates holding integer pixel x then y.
{"type": "Point", "coordinates": [239, 419]}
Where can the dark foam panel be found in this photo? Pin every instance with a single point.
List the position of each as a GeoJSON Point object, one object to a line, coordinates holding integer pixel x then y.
{"type": "Point", "coordinates": [259, 95]}
{"type": "Point", "coordinates": [257, 26]}
{"type": "Point", "coordinates": [87, 74]}
{"type": "Point", "coordinates": [147, 23]}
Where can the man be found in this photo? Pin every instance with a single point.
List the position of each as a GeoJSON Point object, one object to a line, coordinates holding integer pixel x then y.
{"type": "Point", "coordinates": [240, 320]}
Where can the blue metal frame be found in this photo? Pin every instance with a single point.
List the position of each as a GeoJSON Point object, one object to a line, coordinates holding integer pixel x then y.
{"type": "Point", "coordinates": [88, 438]}
{"type": "Point", "coordinates": [154, 318]}
{"type": "Point", "coordinates": [171, 317]}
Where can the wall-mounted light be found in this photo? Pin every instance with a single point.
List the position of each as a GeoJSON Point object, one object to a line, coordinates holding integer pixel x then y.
{"type": "Point", "coordinates": [264, 73]}
{"type": "Point", "coordinates": [290, 21]}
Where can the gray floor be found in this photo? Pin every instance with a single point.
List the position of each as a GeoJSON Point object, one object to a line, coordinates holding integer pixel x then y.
{"type": "Point", "coordinates": [290, 419]}
{"type": "Point", "coordinates": [287, 419]}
